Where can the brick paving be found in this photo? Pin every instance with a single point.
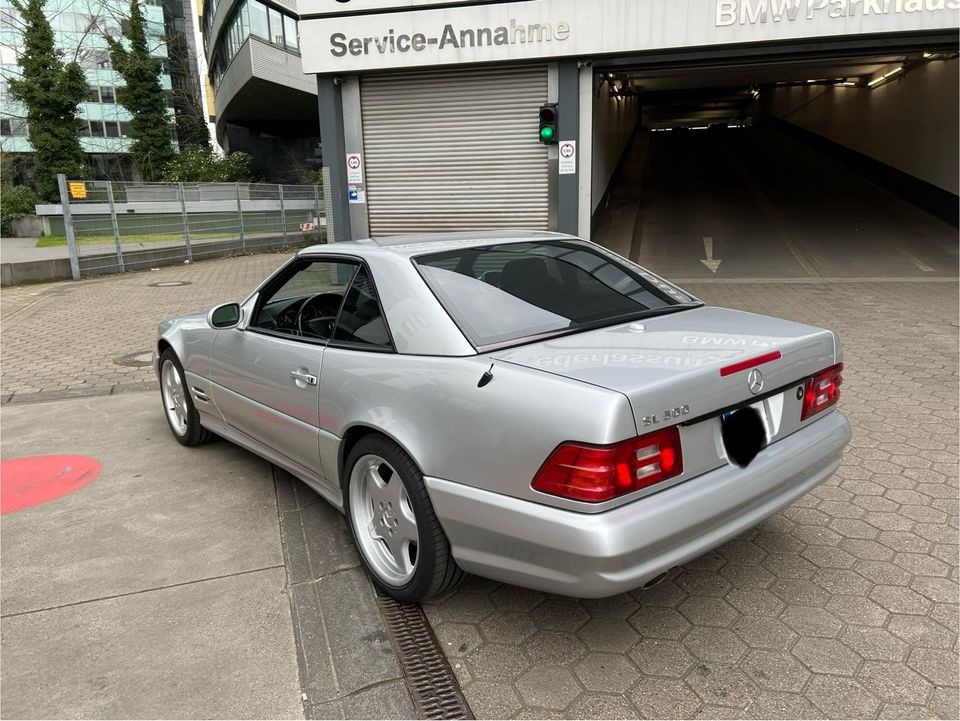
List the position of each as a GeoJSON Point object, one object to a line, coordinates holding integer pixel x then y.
{"type": "Point", "coordinates": [843, 605]}
{"type": "Point", "coordinates": [62, 339]}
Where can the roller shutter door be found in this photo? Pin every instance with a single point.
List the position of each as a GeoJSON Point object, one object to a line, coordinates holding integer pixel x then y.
{"type": "Point", "coordinates": [455, 150]}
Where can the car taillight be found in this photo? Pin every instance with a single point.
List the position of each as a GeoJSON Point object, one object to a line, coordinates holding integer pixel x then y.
{"type": "Point", "coordinates": [821, 391]}
{"type": "Point", "coordinates": [599, 473]}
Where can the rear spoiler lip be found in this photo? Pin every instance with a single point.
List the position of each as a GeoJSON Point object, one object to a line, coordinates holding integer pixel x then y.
{"type": "Point", "coordinates": [743, 404]}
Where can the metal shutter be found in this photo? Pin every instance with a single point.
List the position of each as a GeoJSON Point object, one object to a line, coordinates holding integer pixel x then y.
{"type": "Point", "coordinates": [455, 150]}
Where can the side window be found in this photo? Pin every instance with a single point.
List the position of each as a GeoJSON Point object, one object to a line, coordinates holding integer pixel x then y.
{"type": "Point", "coordinates": [306, 302]}
{"type": "Point", "coordinates": [361, 321]}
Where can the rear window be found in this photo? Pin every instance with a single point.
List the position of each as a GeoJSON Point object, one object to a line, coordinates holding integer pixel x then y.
{"type": "Point", "coordinates": [506, 293]}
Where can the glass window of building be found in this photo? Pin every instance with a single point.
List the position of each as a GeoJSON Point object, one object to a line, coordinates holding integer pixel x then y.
{"type": "Point", "coordinates": [124, 129]}
{"type": "Point", "coordinates": [290, 33]}
{"type": "Point", "coordinates": [243, 21]}
{"type": "Point", "coordinates": [112, 128]}
{"type": "Point", "coordinates": [107, 94]}
{"type": "Point", "coordinates": [258, 20]}
{"type": "Point", "coordinates": [276, 27]}
{"type": "Point", "coordinates": [96, 128]}
{"type": "Point", "coordinates": [93, 94]}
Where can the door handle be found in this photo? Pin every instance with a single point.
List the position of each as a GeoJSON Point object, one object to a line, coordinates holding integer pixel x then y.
{"type": "Point", "coordinates": [301, 376]}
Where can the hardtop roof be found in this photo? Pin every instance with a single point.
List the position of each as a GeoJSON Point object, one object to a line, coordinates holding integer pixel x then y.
{"type": "Point", "coordinates": [409, 245]}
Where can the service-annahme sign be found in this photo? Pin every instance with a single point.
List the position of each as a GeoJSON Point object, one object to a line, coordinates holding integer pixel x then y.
{"type": "Point", "coordinates": [381, 34]}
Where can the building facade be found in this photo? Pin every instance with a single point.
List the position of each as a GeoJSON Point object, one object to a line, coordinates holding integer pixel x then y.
{"type": "Point", "coordinates": [265, 105]}
{"type": "Point", "coordinates": [429, 109]}
{"type": "Point", "coordinates": [104, 125]}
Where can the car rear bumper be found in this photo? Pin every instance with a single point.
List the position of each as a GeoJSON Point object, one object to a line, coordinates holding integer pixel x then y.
{"type": "Point", "coordinates": [597, 555]}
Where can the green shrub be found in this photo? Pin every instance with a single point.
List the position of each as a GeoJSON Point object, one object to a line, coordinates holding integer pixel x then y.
{"type": "Point", "coordinates": [197, 164]}
{"type": "Point", "coordinates": [15, 202]}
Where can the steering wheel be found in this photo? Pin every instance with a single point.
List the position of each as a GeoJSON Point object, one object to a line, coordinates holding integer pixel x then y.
{"type": "Point", "coordinates": [322, 306]}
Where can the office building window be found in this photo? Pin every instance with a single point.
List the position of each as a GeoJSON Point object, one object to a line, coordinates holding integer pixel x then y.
{"type": "Point", "coordinates": [276, 26]}
{"type": "Point", "coordinates": [253, 18]}
{"type": "Point", "coordinates": [16, 127]}
{"type": "Point", "coordinates": [290, 33]}
{"type": "Point", "coordinates": [258, 20]}
{"type": "Point", "coordinates": [107, 94]}
{"type": "Point", "coordinates": [96, 128]}
{"type": "Point", "coordinates": [113, 128]}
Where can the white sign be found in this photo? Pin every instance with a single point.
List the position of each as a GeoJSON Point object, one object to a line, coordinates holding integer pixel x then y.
{"type": "Point", "coordinates": [423, 35]}
{"type": "Point", "coordinates": [354, 168]}
{"type": "Point", "coordinates": [568, 157]}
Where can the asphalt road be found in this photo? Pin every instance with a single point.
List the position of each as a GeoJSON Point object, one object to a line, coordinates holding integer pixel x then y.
{"type": "Point", "coordinates": [761, 204]}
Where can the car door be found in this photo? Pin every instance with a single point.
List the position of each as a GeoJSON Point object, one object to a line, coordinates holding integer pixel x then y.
{"type": "Point", "coordinates": [266, 372]}
{"type": "Point", "coordinates": [357, 364]}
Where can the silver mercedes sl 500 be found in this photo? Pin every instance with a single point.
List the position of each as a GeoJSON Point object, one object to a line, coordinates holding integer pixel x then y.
{"type": "Point", "coordinates": [525, 406]}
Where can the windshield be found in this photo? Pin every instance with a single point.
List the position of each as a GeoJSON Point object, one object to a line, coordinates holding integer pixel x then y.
{"type": "Point", "coordinates": [509, 292]}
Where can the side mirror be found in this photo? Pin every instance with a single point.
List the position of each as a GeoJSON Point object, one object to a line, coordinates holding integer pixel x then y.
{"type": "Point", "coordinates": [224, 316]}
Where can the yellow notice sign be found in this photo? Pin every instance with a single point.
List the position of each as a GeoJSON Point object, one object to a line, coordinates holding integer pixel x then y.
{"type": "Point", "coordinates": [78, 189]}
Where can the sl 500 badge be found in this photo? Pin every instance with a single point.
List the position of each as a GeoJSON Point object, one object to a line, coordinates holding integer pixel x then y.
{"type": "Point", "coordinates": [667, 415]}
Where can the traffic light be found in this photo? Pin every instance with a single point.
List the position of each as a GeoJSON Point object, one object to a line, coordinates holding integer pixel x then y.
{"type": "Point", "coordinates": [548, 123]}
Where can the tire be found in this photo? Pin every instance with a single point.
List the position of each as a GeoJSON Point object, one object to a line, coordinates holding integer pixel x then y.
{"type": "Point", "coordinates": [379, 516]}
{"type": "Point", "coordinates": [182, 416]}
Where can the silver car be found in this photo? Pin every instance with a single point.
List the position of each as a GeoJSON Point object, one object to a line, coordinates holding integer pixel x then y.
{"type": "Point", "coordinates": [524, 406]}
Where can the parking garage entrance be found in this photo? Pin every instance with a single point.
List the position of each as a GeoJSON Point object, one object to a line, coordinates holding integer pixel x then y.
{"type": "Point", "coordinates": [707, 137]}
{"type": "Point", "coordinates": [834, 163]}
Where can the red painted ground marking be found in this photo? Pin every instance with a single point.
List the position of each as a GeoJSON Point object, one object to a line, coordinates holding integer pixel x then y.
{"type": "Point", "coordinates": [30, 480]}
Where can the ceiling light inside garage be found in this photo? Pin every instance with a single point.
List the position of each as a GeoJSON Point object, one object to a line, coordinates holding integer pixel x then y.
{"type": "Point", "coordinates": [876, 81]}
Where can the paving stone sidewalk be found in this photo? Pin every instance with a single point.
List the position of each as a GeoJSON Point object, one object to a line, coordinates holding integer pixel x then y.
{"type": "Point", "coordinates": [843, 605]}
{"type": "Point", "coordinates": [70, 338]}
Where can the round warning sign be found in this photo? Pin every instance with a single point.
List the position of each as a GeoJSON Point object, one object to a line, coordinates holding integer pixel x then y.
{"type": "Point", "coordinates": [354, 168]}
{"type": "Point", "coordinates": [568, 157]}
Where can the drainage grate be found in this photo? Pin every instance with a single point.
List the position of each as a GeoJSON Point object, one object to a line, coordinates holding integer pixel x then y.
{"type": "Point", "coordinates": [435, 690]}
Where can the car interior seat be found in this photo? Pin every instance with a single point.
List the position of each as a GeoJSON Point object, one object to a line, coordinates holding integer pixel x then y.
{"type": "Point", "coordinates": [528, 279]}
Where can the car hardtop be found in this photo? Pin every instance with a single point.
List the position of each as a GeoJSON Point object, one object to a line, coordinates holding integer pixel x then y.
{"type": "Point", "coordinates": [425, 243]}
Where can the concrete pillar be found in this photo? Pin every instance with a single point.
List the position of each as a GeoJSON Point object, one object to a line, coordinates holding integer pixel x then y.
{"type": "Point", "coordinates": [330, 103]}
{"type": "Point", "coordinates": [568, 100]}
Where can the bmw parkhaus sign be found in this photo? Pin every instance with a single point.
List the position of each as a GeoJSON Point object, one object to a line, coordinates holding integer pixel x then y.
{"type": "Point", "coordinates": [361, 35]}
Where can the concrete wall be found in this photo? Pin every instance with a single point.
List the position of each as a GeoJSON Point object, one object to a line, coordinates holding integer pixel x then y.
{"type": "Point", "coordinates": [910, 123]}
{"type": "Point", "coordinates": [614, 120]}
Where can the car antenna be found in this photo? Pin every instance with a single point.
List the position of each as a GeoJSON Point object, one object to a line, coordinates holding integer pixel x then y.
{"type": "Point", "coordinates": [486, 377]}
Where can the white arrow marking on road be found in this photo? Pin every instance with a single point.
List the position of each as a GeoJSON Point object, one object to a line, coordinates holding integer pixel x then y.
{"type": "Point", "coordinates": [708, 249]}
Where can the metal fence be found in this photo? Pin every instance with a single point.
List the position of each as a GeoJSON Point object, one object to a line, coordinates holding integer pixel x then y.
{"type": "Point", "coordinates": [113, 227]}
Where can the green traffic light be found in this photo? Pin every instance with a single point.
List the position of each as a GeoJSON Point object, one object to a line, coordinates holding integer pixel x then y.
{"type": "Point", "coordinates": [546, 133]}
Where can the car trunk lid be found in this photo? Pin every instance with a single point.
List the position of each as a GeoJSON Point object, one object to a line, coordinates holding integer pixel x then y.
{"type": "Point", "coordinates": [669, 367]}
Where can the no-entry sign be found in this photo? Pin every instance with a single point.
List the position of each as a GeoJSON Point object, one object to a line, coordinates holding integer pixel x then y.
{"type": "Point", "coordinates": [568, 157]}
